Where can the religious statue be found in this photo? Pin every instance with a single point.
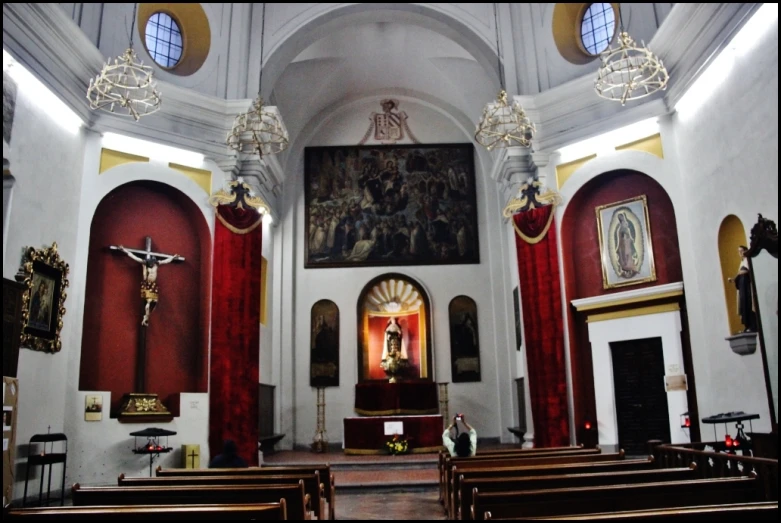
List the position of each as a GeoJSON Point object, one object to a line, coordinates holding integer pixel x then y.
{"type": "Point", "coordinates": [742, 283]}
{"type": "Point", "coordinates": [150, 292]}
{"type": "Point", "coordinates": [394, 351]}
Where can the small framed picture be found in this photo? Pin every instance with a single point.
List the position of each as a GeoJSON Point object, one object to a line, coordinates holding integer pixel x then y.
{"type": "Point", "coordinates": [625, 243]}
{"type": "Point", "coordinates": [93, 407]}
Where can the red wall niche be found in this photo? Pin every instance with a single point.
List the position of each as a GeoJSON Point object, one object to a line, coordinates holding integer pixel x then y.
{"type": "Point", "coordinates": [583, 269]}
{"type": "Point", "coordinates": [177, 336]}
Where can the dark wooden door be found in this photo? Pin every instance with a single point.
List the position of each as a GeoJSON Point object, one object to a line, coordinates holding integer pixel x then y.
{"type": "Point", "coordinates": [641, 401]}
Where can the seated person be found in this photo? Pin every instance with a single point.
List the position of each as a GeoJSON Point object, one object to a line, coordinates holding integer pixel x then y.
{"type": "Point", "coordinates": [465, 444]}
{"type": "Point", "coordinates": [229, 459]}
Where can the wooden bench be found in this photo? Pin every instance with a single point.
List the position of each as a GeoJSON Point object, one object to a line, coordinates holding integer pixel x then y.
{"type": "Point", "coordinates": [312, 485]}
{"type": "Point", "coordinates": [611, 498]}
{"type": "Point", "coordinates": [259, 511]}
{"type": "Point", "coordinates": [760, 511]}
{"type": "Point", "coordinates": [553, 460]}
{"type": "Point", "coordinates": [444, 455]}
{"type": "Point", "coordinates": [297, 501]}
{"type": "Point", "coordinates": [464, 500]}
{"type": "Point", "coordinates": [326, 476]}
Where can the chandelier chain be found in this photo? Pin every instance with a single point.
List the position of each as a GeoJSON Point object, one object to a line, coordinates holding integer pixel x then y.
{"type": "Point", "coordinates": [262, 41]}
{"type": "Point", "coordinates": [498, 51]}
{"type": "Point", "coordinates": [133, 23]}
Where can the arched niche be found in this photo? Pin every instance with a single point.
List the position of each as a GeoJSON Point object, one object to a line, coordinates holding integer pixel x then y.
{"type": "Point", "coordinates": [732, 235]}
{"type": "Point", "coordinates": [397, 296]}
{"type": "Point", "coordinates": [177, 337]}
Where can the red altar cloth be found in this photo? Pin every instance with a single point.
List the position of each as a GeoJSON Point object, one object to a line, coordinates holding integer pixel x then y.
{"type": "Point", "coordinates": [366, 435]}
{"type": "Point", "coordinates": [381, 398]}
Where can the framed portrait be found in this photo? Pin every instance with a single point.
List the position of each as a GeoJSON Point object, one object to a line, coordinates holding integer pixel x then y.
{"type": "Point", "coordinates": [93, 407]}
{"type": "Point", "coordinates": [390, 205]}
{"type": "Point", "coordinates": [625, 243]}
{"type": "Point", "coordinates": [464, 340]}
{"type": "Point", "coordinates": [45, 278]}
{"type": "Point", "coordinates": [324, 345]}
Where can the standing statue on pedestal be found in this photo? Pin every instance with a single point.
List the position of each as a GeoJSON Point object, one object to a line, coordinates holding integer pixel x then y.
{"type": "Point", "coordinates": [745, 299]}
{"type": "Point", "coordinates": [394, 351]}
{"type": "Point", "coordinates": [150, 292]}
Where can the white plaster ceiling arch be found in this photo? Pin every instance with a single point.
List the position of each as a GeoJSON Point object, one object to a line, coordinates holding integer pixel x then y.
{"type": "Point", "coordinates": [306, 27]}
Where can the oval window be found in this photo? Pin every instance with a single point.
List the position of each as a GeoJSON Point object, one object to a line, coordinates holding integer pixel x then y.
{"type": "Point", "coordinates": [164, 40]}
{"type": "Point", "coordinates": [597, 27]}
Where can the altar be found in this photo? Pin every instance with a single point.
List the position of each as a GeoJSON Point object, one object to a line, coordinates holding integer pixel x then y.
{"type": "Point", "coordinates": [367, 435]}
{"type": "Point", "coordinates": [381, 398]}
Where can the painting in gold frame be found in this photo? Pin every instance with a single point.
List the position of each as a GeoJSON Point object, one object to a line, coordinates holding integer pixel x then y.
{"type": "Point", "coordinates": [45, 277]}
{"type": "Point", "coordinates": [625, 247]}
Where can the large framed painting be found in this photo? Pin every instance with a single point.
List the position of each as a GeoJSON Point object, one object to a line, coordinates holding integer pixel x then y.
{"type": "Point", "coordinates": [45, 278]}
{"type": "Point", "coordinates": [464, 340]}
{"type": "Point", "coordinates": [625, 243]}
{"type": "Point", "coordinates": [324, 344]}
{"type": "Point", "coordinates": [390, 205]}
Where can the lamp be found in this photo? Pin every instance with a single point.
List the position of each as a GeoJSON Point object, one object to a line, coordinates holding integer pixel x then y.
{"type": "Point", "coordinates": [126, 86]}
{"type": "Point", "coordinates": [686, 421]}
{"type": "Point", "coordinates": [629, 72]}
{"type": "Point", "coordinates": [502, 124]}
{"type": "Point", "coordinates": [259, 130]}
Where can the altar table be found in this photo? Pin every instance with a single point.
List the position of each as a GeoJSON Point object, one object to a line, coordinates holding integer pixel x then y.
{"type": "Point", "coordinates": [381, 398]}
{"type": "Point", "coordinates": [366, 435]}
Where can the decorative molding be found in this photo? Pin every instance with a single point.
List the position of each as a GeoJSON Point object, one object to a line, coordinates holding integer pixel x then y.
{"type": "Point", "coordinates": [646, 294]}
{"type": "Point", "coordinates": [44, 39]}
{"type": "Point", "coordinates": [630, 313]}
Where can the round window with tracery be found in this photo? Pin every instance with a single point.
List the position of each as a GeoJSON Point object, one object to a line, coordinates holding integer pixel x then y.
{"type": "Point", "coordinates": [597, 27]}
{"type": "Point", "coordinates": [164, 40]}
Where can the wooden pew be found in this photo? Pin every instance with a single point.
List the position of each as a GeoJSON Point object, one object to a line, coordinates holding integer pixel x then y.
{"type": "Point", "coordinates": [553, 460]}
{"type": "Point", "coordinates": [260, 511]}
{"type": "Point", "coordinates": [326, 476]}
{"type": "Point", "coordinates": [444, 454]}
{"type": "Point", "coordinates": [463, 496]}
{"type": "Point", "coordinates": [312, 485]}
{"type": "Point", "coordinates": [760, 511]}
{"type": "Point", "coordinates": [611, 498]}
{"type": "Point", "coordinates": [297, 501]}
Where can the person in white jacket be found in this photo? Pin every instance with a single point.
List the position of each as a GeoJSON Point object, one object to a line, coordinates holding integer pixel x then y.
{"type": "Point", "coordinates": [465, 444]}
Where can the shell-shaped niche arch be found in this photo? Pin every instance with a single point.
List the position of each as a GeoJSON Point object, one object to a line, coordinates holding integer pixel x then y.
{"type": "Point", "coordinates": [384, 298]}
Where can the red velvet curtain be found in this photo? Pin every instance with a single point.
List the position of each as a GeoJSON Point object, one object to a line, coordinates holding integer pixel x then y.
{"type": "Point", "coordinates": [538, 268]}
{"type": "Point", "coordinates": [235, 334]}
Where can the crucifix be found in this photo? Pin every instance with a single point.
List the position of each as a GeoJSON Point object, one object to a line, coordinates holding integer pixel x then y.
{"type": "Point", "coordinates": [150, 293]}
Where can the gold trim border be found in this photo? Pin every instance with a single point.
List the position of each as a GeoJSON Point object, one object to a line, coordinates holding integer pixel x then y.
{"type": "Point", "coordinates": [629, 301]}
{"type": "Point", "coordinates": [538, 239]}
{"type": "Point", "coordinates": [236, 230]}
{"type": "Point", "coordinates": [629, 313]}
{"type": "Point", "coordinates": [370, 452]}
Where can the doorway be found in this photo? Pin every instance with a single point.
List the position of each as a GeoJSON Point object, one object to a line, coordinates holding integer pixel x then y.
{"type": "Point", "coordinates": [641, 400]}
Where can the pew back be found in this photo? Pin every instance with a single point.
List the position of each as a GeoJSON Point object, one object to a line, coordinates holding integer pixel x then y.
{"type": "Point", "coordinates": [584, 500]}
{"type": "Point", "coordinates": [760, 511]}
{"type": "Point", "coordinates": [260, 511]}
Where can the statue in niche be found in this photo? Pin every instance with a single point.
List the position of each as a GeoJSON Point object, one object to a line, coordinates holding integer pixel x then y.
{"type": "Point", "coordinates": [742, 282]}
{"type": "Point", "coordinates": [394, 351]}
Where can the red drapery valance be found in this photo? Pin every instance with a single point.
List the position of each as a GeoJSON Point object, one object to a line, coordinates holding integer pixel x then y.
{"type": "Point", "coordinates": [538, 268]}
{"type": "Point", "coordinates": [233, 391]}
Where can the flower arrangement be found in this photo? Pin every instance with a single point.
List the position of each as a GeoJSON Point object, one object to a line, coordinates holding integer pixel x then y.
{"type": "Point", "coordinates": [398, 445]}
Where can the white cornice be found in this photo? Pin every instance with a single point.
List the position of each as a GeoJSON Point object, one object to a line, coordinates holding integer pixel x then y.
{"type": "Point", "coordinates": [646, 294]}
{"type": "Point", "coordinates": [48, 43]}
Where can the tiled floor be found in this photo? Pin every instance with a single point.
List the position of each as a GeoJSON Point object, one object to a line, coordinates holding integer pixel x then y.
{"type": "Point", "coordinates": [383, 505]}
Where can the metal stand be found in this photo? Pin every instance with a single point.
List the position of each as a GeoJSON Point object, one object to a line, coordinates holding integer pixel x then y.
{"type": "Point", "coordinates": [320, 443]}
{"type": "Point", "coordinates": [44, 459]}
{"type": "Point", "coordinates": [444, 404]}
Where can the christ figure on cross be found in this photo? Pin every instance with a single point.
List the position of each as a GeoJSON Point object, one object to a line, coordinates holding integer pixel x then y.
{"type": "Point", "coordinates": [150, 292]}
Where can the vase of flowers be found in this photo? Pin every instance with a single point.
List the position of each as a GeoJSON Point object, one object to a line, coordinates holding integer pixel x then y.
{"type": "Point", "coordinates": [398, 445]}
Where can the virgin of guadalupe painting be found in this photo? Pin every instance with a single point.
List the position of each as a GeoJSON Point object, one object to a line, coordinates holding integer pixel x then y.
{"type": "Point", "coordinates": [324, 345]}
{"type": "Point", "coordinates": [464, 340]}
{"type": "Point", "coordinates": [390, 205]}
{"type": "Point", "coordinates": [625, 243]}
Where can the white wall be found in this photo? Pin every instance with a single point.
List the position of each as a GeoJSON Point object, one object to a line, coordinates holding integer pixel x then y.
{"type": "Point", "coordinates": [727, 155]}
{"type": "Point", "coordinates": [487, 403]}
{"type": "Point", "coordinates": [666, 326]}
{"type": "Point", "coordinates": [46, 160]}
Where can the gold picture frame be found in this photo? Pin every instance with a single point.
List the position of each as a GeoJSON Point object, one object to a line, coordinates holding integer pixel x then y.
{"type": "Point", "coordinates": [625, 243]}
{"type": "Point", "coordinates": [45, 277]}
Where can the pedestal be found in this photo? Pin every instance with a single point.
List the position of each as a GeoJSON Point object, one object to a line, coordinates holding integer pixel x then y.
{"type": "Point", "coordinates": [143, 407]}
{"type": "Point", "coordinates": [743, 343]}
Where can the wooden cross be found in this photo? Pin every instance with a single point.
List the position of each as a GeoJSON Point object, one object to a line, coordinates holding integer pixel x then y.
{"type": "Point", "coordinates": [149, 261]}
{"type": "Point", "coordinates": [192, 455]}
